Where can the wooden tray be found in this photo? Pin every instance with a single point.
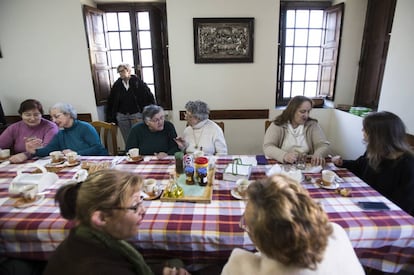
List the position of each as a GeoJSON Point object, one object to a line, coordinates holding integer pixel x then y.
{"type": "Point", "coordinates": [195, 193]}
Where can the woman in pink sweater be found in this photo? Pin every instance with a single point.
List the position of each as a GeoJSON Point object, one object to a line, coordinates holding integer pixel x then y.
{"type": "Point", "coordinates": [30, 127]}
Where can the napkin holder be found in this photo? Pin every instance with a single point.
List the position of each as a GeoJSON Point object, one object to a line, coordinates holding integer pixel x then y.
{"type": "Point", "coordinates": [26, 181]}
{"type": "Point", "coordinates": [237, 170]}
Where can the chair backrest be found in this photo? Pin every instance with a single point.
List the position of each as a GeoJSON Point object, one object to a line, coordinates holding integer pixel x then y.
{"type": "Point", "coordinates": [267, 124]}
{"type": "Point", "coordinates": [221, 124]}
{"type": "Point", "coordinates": [108, 134]}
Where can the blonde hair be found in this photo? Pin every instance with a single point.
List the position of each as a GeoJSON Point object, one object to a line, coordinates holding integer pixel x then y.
{"type": "Point", "coordinates": [102, 190]}
{"type": "Point", "coordinates": [287, 225]}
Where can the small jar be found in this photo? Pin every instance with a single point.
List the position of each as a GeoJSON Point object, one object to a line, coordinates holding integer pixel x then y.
{"type": "Point", "coordinates": [189, 175]}
{"type": "Point", "coordinates": [200, 162]}
{"type": "Point", "coordinates": [202, 176]}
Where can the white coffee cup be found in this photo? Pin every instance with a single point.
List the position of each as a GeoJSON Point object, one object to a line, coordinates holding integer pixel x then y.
{"type": "Point", "coordinates": [150, 186]}
{"type": "Point", "coordinates": [133, 153]}
{"type": "Point", "coordinates": [241, 185]}
{"type": "Point", "coordinates": [328, 177]}
{"type": "Point", "coordinates": [72, 157]}
{"type": "Point", "coordinates": [4, 154]}
{"type": "Point", "coordinates": [56, 156]}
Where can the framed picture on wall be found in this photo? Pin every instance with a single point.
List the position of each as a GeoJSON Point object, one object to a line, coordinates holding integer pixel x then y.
{"type": "Point", "coordinates": [223, 40]}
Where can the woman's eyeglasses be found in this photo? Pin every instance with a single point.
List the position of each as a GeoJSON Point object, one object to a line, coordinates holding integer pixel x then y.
{"type": "Point", "coordinates": [156, 120]}
{"type": "Point", "coordinates": [133, 208]}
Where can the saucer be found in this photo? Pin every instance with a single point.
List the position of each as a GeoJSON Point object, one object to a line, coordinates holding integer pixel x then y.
{"type": "Point", "coordinates": [333, 186]}
{"type": "Point", "coordinates": [150, 197]}
{"type": "Point", "coordinates": [236, 194]}
{"type": "Point", "coordinates": [57, 163]}
{"type": "Point", "coordinates": [22, 202]}
{"type": "Point", "coordinates": [71, 164]}
{"type": "Point", "coordinates": [128, 159]}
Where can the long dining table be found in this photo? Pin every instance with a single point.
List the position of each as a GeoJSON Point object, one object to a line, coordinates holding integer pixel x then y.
{"type": "Point", "coordinates": [204, 233]}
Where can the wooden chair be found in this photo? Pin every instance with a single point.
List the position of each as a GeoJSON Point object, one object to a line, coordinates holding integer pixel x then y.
{"type": "Point", "coordinates": [221, 124]}
{"type": "Point", "coordinates": [108, 134]}
{"type": "Point", "coordinates": [267, 124]}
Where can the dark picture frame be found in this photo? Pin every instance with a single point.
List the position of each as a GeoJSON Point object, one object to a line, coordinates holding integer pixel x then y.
{"type": "Point", "coordinates": [223, 40]}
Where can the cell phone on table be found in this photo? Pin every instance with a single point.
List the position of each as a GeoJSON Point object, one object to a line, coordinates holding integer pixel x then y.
{"type": "Point", "coordinates": [373, 205]}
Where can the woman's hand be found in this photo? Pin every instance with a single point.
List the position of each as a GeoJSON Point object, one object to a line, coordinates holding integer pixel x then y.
{"type": "Point", "coordinates": [337, 160]}
{"type": "Point", "coordinates": [181, 143]}
{"type": "Point", "coordinates": [18, 158]}
{"type": "Point", "coordinates": [317, 160]}
{"type": "Point", "coordinates": [32, 144]}
{"type": "Point", "coordinates": [174, 271]}
{"type": "Point", "coordinates": [290, 157]}
{"type": "Point", "coordinates": [160, 155]}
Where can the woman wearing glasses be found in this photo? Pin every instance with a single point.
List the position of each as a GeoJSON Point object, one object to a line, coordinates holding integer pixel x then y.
{"type": "Point", "coordinates": [103, 221]}
{"type": "Point", "coordinates": [292, 234]}
{"type": "Point", "coordinates": [75, 135]}
{"type": "Point", "coordinates": [153, 136]}
{"type": "Point", "coordinates": [32, 126]}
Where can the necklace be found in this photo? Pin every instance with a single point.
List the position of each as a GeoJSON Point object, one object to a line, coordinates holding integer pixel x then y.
{"type": "Point", "coordinates": [197, 141]}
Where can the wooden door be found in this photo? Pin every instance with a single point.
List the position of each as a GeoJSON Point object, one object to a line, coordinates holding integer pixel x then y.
{"type": "Point", "coordinates": [98, 53]}
{"type": "Point", "coordinates": [378, 24]}
{"type": "Point", "coordinates": [330, 50]}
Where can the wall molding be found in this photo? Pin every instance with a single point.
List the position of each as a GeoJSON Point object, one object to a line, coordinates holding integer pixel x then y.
{"type": "Point", "coordinates": [235, 114]}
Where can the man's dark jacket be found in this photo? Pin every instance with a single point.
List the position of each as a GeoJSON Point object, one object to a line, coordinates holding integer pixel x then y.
{"type": "Point", "coordinates": [142, 96]}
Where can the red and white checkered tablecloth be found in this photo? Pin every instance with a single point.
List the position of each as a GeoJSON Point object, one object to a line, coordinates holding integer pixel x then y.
{"type": "Point", "coordinates": [206, 233]}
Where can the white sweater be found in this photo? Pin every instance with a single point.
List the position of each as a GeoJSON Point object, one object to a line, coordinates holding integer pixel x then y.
{"type": "Point", "coordinates": [339, 258]}
{"type": "Point", "coordinates": [206, 135]}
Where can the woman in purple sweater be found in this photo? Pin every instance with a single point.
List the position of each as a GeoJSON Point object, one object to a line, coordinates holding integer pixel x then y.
{"type": "Point", "coordinates": [32, 125]}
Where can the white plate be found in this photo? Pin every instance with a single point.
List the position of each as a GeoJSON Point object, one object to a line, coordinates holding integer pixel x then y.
{"type": "Point", "coordinates": [20, 204]}
{"type": "Point", "coordinates": [128, 159]}
{"type": "Point", "coordinates": [333, 186]}
{"type": "Point", "coordinates": [236, 194]}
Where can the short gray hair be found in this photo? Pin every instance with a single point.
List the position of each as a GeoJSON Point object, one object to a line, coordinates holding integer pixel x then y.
{"type": "Point", "coordinates": [123, 66]}
{"type": "Point", "coordinates": [198, 109]}
{"type": "Point", "coordinates": [150, 111]}
{"type": "Point", "coordinates": [65, 108]}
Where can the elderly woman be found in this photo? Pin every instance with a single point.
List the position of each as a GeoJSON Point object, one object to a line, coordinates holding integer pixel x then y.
{"type": "Point", "coordinates": [128, 97]}
{"type": "Point", "coordinates": [292, 234]}
{"type": "Point", "coordinates": [294, 132]}
{"type": "Point", "coordinates": [32, 126]}
{"type": "Point", "coordinates": [108, 209]}
{"type": "Point", "coordinates": [75, 135]}
{"type": "Point", "coordinates": [201, 134]}
{"type": "Point", "coordinates": [153, 136]}
{"type": "Point", "coordinates": [388, 163]}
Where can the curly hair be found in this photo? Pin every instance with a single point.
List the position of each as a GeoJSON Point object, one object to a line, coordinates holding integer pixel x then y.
{"type": "Point", "coordinates": [102, 190]}
{"type": "Point", "coordinates": [386, 136]}
{"type": "Point", "coordinates": [198, 109]}
{"type": "Point", "coordinates": [289, 113]}
{"type": "Point", "coordinates": [285, 223]}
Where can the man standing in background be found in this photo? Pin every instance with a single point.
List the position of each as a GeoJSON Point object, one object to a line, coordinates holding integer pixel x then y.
{"type": "Point", "coordinates": [129, 95]}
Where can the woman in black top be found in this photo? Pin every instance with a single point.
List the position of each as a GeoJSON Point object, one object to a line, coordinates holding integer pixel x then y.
{"type": "Point", "coordinates": [388, 163]}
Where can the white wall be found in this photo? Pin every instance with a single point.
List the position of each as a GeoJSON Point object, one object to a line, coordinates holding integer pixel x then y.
{"type": "Point", "coordinates": [44, 55]}
{"type": "Point", "coordinates": [225, 86]}
{"type": "Point", "coordinates": [397, 94]}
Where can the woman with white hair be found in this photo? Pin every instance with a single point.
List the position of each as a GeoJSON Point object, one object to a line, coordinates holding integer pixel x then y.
{"type": "Point", "coordinates": [75, 135]}
{"type": "Point", "coordinates": [201, 134]}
